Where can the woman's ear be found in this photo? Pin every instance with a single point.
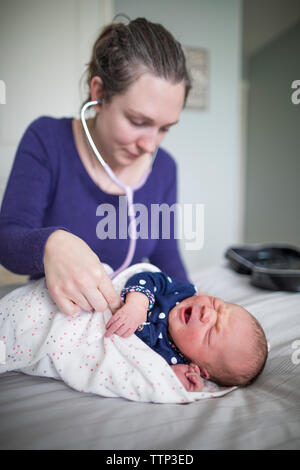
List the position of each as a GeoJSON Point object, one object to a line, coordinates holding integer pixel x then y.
{"type": "Point", "coordinates": [96, 87]}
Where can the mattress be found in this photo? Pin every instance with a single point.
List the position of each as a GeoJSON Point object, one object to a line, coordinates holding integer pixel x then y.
{"type": "Point", "coordinates": [42, 413]}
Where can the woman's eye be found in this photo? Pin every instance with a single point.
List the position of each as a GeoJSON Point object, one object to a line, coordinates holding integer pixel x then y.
{"type": "Point", "coordinates": [137, 123]}
{"type": "Point", "coordinates": [142, 123]}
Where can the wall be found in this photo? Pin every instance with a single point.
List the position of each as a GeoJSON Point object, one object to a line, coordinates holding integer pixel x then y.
{"type": "Point", "coordinates": [273, 161]}
{"type": "Point", "coordinates": [44, 46]}
{"type": "Point", "coordinates": [206, 144]}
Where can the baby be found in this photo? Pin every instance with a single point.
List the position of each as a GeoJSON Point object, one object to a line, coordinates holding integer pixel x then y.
{"type": "Point", "coordinates": [197, 334]}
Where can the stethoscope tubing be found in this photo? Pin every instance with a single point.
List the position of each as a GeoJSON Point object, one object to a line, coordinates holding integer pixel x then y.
{"type": "Point", "coordinates": [129, 190]}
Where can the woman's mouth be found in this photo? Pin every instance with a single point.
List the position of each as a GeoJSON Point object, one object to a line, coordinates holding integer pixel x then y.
{"type": "Point", "coordinates": [132, 155]}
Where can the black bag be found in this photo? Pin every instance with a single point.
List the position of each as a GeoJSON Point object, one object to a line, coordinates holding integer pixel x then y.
{"type": "Point", "coordinates": [273, 267]}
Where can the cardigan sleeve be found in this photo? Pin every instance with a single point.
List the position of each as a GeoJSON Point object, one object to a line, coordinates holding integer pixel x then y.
{"type": "Point", "coordinates": [158, 285]}
{"type": "Point", "coordinates": [26, 198]}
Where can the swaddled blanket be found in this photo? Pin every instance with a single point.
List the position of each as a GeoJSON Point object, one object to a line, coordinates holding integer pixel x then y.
{"type": "Point", "coordinates": [37, 339]}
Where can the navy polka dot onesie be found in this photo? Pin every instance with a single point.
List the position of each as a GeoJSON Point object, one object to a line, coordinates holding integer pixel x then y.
{"type": "Point", "coordinates": [163, 294]}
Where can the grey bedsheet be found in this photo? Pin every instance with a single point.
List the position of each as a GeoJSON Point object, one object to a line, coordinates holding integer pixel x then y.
{"type": "Point", "coordinates": [39, 413]}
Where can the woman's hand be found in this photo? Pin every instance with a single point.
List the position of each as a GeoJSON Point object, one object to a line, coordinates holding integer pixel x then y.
{"type": "Point", "coordinates": [76, 279]}
{"type": "Point", "coordinates": [129, 317]}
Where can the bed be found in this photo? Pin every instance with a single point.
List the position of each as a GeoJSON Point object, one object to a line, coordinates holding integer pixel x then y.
{"type": "Point", "coordinates": [43, 413]}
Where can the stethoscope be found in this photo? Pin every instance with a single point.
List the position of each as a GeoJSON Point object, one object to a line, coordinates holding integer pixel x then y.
{"type": "Point", "coordinates": [129, 190]}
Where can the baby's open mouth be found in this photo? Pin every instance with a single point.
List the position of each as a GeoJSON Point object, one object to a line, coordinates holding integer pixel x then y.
{"type": "Point", "coordinates": [187, 314]}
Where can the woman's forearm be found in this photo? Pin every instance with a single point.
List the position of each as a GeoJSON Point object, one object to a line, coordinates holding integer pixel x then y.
{"type": "Point", "coordinates": [22, 248]}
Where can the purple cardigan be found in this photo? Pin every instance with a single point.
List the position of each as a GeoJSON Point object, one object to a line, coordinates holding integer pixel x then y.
{"type": "Point", "coordinates": [49, 188]}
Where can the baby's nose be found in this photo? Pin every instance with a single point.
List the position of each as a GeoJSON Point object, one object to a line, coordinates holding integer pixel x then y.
{"type": "Point", "coordinates": [208, 314]}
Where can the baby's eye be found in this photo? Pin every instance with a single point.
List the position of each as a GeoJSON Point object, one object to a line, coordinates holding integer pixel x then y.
{"type": "Point", "coordinates": [209, 340]}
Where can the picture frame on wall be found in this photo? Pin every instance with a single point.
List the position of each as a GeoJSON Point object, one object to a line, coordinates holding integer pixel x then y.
{"type": "Point", "coordinates": [198, 67]}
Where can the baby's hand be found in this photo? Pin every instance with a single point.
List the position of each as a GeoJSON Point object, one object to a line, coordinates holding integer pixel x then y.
{"type": "Point", "coordinates": [189, 376]}
{"type": "Point", "coordinates": [129, 317]}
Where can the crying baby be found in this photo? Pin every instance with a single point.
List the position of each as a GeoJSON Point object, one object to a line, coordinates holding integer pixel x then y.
{"type": "Point", "coordinates": [200, 336]}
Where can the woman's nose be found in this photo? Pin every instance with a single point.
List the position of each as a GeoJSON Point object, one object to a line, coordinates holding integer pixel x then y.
{"type": "Point", "coordinates": [148, 142]}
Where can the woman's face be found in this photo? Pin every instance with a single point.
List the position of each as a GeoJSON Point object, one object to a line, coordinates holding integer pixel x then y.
{"type": "Point", "coordinates": [133, 124]}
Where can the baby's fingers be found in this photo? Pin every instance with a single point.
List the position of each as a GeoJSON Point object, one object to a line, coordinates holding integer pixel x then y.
{"type": "Point", "coordinates": [128, 333]}
{"type": "Point", "coordinates": [113, 326]}
{"type": "Point", "coordinates": [195, 378]}
{"type": "Point", "coordinates": [111, 321]}
{"type": "Point", "coordinates": [194, 368]}
{"type": "Point", "coordinates": [195, 381]}
{"type": "Point", "coordinates": [124, 331]}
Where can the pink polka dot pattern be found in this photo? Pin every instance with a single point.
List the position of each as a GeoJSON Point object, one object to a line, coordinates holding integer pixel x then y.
{"type": "Point", "coordinates": [40, 340]}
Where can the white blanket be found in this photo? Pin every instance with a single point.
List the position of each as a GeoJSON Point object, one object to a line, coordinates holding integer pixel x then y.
{"type": "Point", "coordinates": [37, 339]}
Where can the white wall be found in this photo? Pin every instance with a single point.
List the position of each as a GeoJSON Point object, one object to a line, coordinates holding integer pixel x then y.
{"type": "Point", "coordinates": [273, 163]}
{"type": "Point", "coordinates": [206, 144]}
{"type": "Point", "coordinates": [44, 46]}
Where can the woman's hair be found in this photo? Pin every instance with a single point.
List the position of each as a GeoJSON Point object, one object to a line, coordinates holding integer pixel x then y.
{"type": "Point", "coordinates": [122, 53]}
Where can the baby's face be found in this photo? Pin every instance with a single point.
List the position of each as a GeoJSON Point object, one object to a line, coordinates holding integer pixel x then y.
{"type": "Point", "coordinates": [206, 328]}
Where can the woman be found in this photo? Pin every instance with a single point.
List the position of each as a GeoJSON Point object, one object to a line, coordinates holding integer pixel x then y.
{"type": "Point", "coordinates": [49, 216]}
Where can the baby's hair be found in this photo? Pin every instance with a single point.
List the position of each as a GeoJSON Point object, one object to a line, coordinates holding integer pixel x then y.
{"type": "Point", "coordinates": [228, 377]}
